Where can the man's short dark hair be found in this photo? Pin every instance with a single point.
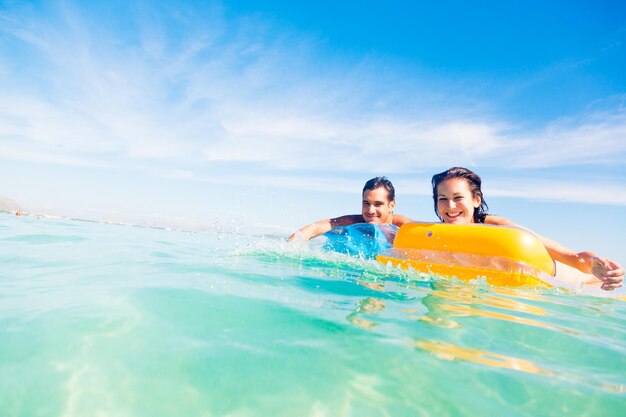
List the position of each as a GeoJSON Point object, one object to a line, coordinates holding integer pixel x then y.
{"type": "Point", "coordinates": [379, 182]}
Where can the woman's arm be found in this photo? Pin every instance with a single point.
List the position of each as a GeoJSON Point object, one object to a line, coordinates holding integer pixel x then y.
{"type": "Point", "coordinates": [320, 227]}
{"type": "Point", "coordinates": [609, 272]}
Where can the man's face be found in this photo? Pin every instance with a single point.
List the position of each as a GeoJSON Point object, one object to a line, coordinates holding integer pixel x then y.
{"type": "Point", "coordinates": [376, 207]}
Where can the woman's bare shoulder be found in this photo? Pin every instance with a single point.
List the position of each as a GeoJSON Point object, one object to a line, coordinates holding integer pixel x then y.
{"type": "Point", "coordinates": [498, 220]}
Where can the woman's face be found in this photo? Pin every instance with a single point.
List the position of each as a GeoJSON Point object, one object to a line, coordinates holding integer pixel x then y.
{"type": "Point", "coordinates": [455, 202]}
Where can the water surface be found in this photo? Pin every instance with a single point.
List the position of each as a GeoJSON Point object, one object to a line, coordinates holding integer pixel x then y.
{"type": "Point", "coordinates": [108, 320]}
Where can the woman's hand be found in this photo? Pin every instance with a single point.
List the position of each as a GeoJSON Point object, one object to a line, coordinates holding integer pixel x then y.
{"type": "Point", "coordinates": [611, 273]}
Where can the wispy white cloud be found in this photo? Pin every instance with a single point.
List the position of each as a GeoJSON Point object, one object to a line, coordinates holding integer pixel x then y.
{"type": "Point", "coordinates": [500, 184]}
{"type": "Point", "coordinates": [595, 139]}
{"type": "Point", "coordinates": [397, 145]}
{"type": "Point", "coordinates": [201, 89]}
{"type": "Point", "coordinates": [589, 191]}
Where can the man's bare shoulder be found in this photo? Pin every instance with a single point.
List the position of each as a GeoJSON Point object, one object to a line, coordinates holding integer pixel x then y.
{"type": "Point", "coordinates": [399, 219]}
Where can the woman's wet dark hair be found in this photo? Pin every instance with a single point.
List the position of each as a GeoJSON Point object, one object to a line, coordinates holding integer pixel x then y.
{"type": "Point", "coordinates": [383, 182]}
{"type": "Point", "coordinates": [474, 183]}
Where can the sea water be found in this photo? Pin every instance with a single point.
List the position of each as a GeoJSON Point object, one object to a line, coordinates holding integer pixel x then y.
{"type": "Point", "coordinates": [109, 320]}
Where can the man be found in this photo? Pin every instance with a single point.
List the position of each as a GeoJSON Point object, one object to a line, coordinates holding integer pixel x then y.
{"type": "Point", "coordinates": [376, 208]}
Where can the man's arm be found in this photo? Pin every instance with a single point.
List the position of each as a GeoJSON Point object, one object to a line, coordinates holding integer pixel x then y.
{"type": "Point", "coordinates": [320, 227]}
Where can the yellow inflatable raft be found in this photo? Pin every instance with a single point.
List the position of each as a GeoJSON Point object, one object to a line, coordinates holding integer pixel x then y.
{"type": "Point", "coordinates": [503, 256]}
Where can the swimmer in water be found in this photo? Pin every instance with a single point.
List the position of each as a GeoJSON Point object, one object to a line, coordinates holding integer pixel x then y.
{"type": "Point", "coordinates": [458, 199]}
{"type": "Point", "coordinates": [376, 208]}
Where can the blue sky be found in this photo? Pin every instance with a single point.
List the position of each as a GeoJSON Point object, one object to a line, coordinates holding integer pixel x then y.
{"type": "Point", "coordinates": [273, 114]}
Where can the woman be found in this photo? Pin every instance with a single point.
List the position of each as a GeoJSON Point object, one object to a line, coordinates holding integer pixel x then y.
{"type": "Point", "coordinates": [458, 199]}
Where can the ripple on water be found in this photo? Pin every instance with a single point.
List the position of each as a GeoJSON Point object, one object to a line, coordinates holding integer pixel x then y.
{"type": "Point", "coordinates": [118, 321]}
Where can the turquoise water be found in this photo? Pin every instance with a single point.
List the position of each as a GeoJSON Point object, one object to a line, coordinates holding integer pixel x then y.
{"type": "Point", "coordinates": [107, 320]}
